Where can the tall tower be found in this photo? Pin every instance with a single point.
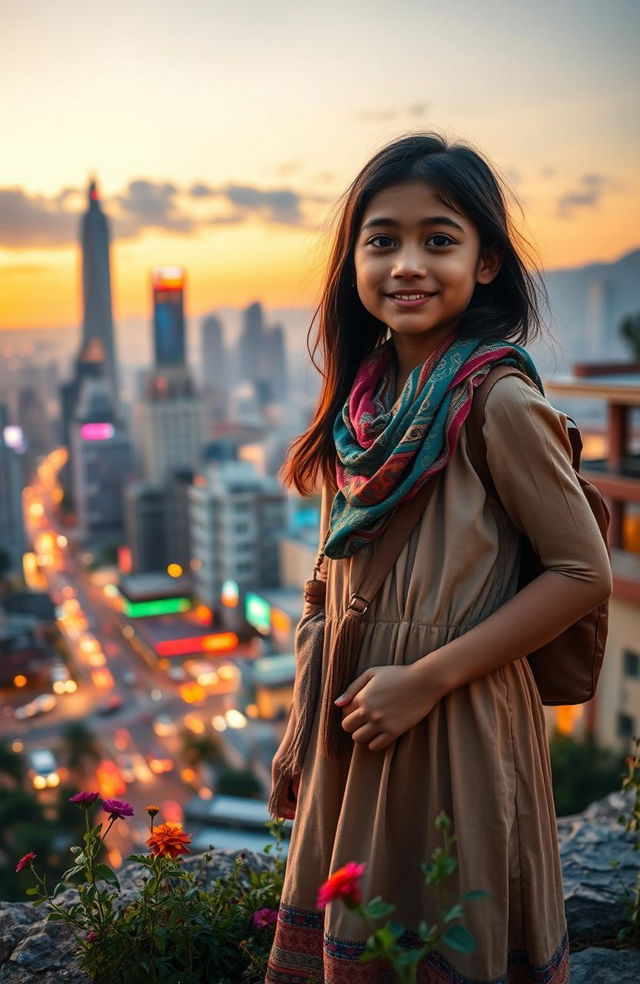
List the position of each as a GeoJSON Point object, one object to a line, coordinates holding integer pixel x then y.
{"type": "Point", "coordinates": [97, 317]}
{"type": "Point", "coordinates": [168, 316]}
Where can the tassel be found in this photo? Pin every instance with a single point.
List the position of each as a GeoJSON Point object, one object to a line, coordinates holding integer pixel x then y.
{"type": "Point", "coordinates": [343, 662]}
{"type": "Point", "coordinates": [309, 643]}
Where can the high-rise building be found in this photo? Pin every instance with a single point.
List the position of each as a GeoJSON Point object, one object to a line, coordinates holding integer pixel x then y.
{"type": "Point", "coordinates": [250, 344]}
{"type": "Point", "coordinates": [12, 534]}
{"type": "Point", "coordinates": [167, 284]}
{"type": "Point", "coordinates": [168, 424]}
{"type": "Point", "coordinates": [237, 517]}
{"type": "Point", "coordinates": [145, 525]}
{"type": "Point", "coordinates": [97, 316]}
{"type": "Point", "coordinates": [101, 455]}
{"type": "Point", "coordinates": [215, 368]}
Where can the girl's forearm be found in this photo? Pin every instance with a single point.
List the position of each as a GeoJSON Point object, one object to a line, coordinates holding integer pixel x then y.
{"type": "Point", "coordinates": [534, 616]}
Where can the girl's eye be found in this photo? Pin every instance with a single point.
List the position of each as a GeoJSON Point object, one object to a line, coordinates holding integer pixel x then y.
{"type": "Point", "coordinates": [381, 241]}
{"type": "Point", "coordinates": [440, 235]}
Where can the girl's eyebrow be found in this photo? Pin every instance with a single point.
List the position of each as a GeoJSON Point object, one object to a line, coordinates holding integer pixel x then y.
{"type": "Point", "coordinates": [431, 220]}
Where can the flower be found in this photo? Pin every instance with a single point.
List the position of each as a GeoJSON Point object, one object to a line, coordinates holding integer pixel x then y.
{"type": "Point", "coordinates": [264, 917]}
{"type": "Point", "coordinates": [169, 840]}
{"type": "Point", "coordinates": [117, 809]}
{"type": "Point", "coordinates": [92, 936]}
{"type": "Point", "coordinates": [24, 861]}
{"type": "Point", "coordinates": [152, 810]}
{"type": "Point", "coordinates": [343, 884]}
{"type": "Point", "coordinates": [84, 798]}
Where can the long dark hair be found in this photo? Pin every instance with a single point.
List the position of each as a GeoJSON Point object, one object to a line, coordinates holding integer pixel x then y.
{"type": "Point", "coordinates": [506, 308]}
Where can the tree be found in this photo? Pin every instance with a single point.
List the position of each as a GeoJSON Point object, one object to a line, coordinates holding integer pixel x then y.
{"type": "Point", "coordinates": [81, 747]}
{"type": "Point", "coordinates": [582, 772]}
{"type": "Point", "coordinates": [11, 765]}
{"type": "Point", "coordinates": [630, 331]}
{"type": "Point", "coordinates": [201, 749]}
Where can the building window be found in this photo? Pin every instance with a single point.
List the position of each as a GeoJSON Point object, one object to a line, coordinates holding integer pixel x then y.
{"type": "Point", "coordinates": [631, 663]}
{"type": "Point", "coordinates": [626, 726]}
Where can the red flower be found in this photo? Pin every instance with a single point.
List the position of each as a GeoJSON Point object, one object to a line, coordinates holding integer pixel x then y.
{"type": "Point", "coordinates": [24, 861]}
{"type": "Point", "coordinates": [117, 809]}
{"type": "Point", "coordinates": [169, 840]}
{"type": "Point", "coordinates": [343, 884]}
{"type": "Point", "coordinates": [84, 798]}
{"type": "Point", "coordinates": [264, 917]}
{"type": "Point", "coordinates": [92, 936]}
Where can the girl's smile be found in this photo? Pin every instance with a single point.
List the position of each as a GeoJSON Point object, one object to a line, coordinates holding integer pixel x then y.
{"type": "Point", "coordinates": [417, 264]}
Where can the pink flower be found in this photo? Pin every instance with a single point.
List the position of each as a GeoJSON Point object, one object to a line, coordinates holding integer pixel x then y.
{"type": "Point", "coordinates": [84, 798]}
{"type": "Point", "coordinates": [343, 884]}
{"type": "Point", "coordinates": [264, 917]}
{"type": "Point", "coordinates": [24, 861]}
{"type": "Point", "coordinates": [92, 936]}
{"type": "Point", "coordinates": [117, 809]}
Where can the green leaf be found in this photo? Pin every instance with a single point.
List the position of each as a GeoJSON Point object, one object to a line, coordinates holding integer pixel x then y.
{"type": "Point", "coordinates": [378, 909]}
{"type": "Point", "coordinates": [455, 912]}
{"type": "Point", "coordinates": [56, 917]}
{"type": "Point", "coordinates": [478, 893]}
{"type": "Point", "coordinates": [32, 891]}
{"type": "Point", "coordinates": [396, 929]}
{"type": "Point", "coordinates": [104, 871]}
{"type": "Point", "coordinates": [459, 938]}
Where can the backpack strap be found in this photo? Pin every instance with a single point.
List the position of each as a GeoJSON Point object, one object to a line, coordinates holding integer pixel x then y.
{"type": "Point", "coordinates": [476, 443]}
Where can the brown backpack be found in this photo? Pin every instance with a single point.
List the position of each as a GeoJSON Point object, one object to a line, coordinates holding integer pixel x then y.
{"type": "Point", "coordinates": [566, 670]}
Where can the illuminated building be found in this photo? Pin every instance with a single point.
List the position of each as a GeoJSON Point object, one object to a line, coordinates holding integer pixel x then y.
{"type": "Point", "coordinates": [168, 419]}
{"type": "Point", "coordinates": [101, 455]}
{"type": "Point", "coordinates": [145, 518]}
{"type": "Point", "coordinates": [237, 517]}
{"type": "Point", "coordinates": [614, 713]}
{"type": "Point", "coordinates": [167, 284]}
{"type": "Point", "coordinates": [12, 534]}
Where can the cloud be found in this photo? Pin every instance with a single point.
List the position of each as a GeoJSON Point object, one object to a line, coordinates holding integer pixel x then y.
{"type": "Point", "coordinates": [589, 195]}
{"type": "Point", "coordinates": [30, 221]}
{"type": "Point", "coordinates": [548, 171]}
{"type": "Point", "coordinates": [286, 168]}
{"type": "Point", "coordinates": [147, 204]}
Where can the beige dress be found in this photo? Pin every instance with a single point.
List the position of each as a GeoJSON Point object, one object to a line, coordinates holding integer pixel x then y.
{"type": "Point", "coordinates": [481, 754]}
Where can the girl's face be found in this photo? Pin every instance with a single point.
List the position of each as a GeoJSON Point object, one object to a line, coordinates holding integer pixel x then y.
{"type": "Point", "coordinates": [417, 262]}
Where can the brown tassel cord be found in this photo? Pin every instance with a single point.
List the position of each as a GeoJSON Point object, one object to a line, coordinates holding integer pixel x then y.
{"type": "Point", "coordinates": [343, 662]}
{"type": "Point", "coordinates": [308, 648]}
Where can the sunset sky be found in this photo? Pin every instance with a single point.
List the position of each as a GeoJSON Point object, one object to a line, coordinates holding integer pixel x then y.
{"type": "Point", "coordinates": [222, 133]}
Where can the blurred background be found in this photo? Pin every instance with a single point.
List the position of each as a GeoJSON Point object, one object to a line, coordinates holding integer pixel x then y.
{"type": "Point", "coordinates": [167, 180]}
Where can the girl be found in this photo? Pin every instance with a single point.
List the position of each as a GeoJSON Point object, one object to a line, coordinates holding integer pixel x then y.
{"type": "Point", "coordinates": [425, 293]}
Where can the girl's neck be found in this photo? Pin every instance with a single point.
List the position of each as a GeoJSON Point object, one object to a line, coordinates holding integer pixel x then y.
{"type": "Point", "coordinates": [413, 351]}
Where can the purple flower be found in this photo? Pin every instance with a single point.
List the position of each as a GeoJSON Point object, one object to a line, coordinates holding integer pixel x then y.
{"type": "Point", "coordinates": [84, 798]}
{"type": "Point", "coordinates": [117, 809]}
{"type": "Point", "coordinates": [264, 917]}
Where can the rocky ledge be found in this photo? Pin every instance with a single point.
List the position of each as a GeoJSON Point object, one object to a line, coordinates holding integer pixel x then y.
{"type": "Point", "coordinates": [33, 950]}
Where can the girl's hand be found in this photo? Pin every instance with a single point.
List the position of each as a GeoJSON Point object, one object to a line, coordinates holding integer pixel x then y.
{"type": "Point", "coordinates": [383, 703]}
{"type": "Point", "coordinates": [286, 806]}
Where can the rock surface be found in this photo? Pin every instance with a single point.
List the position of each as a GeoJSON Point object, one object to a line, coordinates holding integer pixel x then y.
{"type": "Point", "coordinates": [33, 951]}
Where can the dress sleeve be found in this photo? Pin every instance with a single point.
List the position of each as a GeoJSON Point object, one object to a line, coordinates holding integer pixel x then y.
{"type": "Point", "coordinates": [529, 457]}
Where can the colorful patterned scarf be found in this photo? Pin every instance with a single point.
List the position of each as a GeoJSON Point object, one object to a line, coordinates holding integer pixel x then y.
{"type": "Point", "coordinates": [387, 451]}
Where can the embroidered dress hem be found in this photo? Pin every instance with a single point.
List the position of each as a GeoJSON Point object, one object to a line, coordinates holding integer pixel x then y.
{"type": "Point", "coordinates": [304, 954]}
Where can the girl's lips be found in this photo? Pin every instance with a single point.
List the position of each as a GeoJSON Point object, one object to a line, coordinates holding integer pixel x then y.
{"type": "Point", "coordinates": [409, 301]}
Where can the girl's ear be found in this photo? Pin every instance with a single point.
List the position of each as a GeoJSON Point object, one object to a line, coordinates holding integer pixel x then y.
{"type": "Point", "coordinates": [488, 266]}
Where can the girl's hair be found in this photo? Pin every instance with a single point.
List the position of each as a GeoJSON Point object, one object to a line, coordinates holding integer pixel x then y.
{"type": "Point", "coordinates": [506, 308]}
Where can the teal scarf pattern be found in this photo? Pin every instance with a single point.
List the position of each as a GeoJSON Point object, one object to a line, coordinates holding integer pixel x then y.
{"type": "Point", "coordinates": [386, 451]}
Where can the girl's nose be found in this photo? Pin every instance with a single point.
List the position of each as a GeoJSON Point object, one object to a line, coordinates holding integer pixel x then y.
{"type": "Point", "coordinates": [409, 263]}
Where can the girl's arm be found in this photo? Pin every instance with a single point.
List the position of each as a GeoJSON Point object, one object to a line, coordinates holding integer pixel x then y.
{"type": "Point", "coordinates": [529, 456]}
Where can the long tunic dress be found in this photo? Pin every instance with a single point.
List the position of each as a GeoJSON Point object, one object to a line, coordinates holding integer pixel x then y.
{"type": "Point", "coordinates": [481, 754]}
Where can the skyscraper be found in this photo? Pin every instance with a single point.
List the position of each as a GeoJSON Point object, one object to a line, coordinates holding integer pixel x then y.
{"type": "Point", "coordinates": [97, 317]}
{"type": "Point", "coordinates": [167, 284]}
{"type": "Point", "coordinates": [215, 367]}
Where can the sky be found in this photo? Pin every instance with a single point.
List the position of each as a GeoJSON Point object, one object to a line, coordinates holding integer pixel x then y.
{"type": "Point", "coordinates": [222, 134]}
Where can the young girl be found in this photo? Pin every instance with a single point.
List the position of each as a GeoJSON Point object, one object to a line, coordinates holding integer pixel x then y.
{"type": "Point", "coordinates": [425, 293]}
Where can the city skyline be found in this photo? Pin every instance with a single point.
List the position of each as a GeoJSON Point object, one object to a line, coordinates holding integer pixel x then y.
{"type": "Point", "coordinates": [207, 155]}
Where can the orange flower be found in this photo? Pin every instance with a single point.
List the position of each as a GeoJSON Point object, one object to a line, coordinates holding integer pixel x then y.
{"type": "Point", "coordinates": [169, 840]}
{"type": "Point", "coordinates": [343, 884]}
